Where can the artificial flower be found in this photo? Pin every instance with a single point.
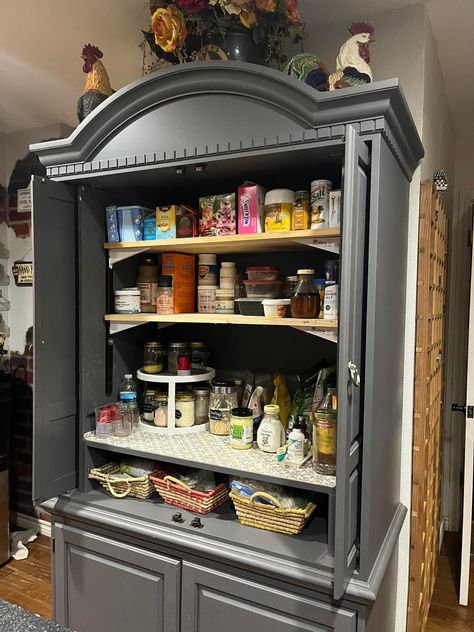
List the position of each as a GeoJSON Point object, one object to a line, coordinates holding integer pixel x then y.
{"type": "Point", "coordinates": [169, 28]}
{"type": "Point", "coordinates": [248, 17]}
{"type": "Point", "coordinates": [265, 6]}
{"type": "Point", "coordinates": [234, 7]}
{"type": "Point", "coordinates": [193, 6]}
{"type": "Point", "coordinates": [292, 12]}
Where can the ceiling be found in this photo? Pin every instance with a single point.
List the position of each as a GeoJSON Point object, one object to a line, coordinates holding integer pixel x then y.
{"type": "Point", "coordinates": [41, 42]}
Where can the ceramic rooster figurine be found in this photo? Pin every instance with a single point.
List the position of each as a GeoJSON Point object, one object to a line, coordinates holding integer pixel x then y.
{"type": "Point", "coordinates": [97, 87]}
{"type": "Point", "coordinates": [352, 63]}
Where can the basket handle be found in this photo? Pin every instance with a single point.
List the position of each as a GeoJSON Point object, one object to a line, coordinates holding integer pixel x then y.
{"type": "Point", "coordinates": [172, 479]}
{"type": "Point", "coordinates": [266, 496]}
{"type": "Point", "coordinates": [118, 494]}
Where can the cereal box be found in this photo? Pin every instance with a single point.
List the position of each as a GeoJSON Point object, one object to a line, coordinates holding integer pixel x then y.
{"type": "Point", "coordinates": [251, 208]}
{"type": "Point", "coordinates": [207, 216]}
{"type": "Point", "coordinates": [166, 222]}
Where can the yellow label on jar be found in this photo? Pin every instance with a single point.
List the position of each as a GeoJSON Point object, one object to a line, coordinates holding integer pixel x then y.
{"type": "Point", "coordinates": [278, 217]}
{"type": "Point", "coordinates": [326, 436]}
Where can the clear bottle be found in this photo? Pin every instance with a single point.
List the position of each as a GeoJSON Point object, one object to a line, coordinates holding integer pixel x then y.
{"type": "Point", "coordinates": [305, 301]}
{"type": "Point", "coordinates": [123, 423]}
{"type": "Point", "coordinates": [325, 434]}
{"type": "Point", "coordinates": [147, 283]}
{"type": "Point", "coordinates": [270, 434]}
{"type": "Point", "coordinates": [165, 295]}
{"type": "Point", "coordinates": [128, 389]}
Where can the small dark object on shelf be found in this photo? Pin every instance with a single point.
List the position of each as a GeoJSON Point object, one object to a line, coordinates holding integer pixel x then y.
{"type": "Point", "coordinates": [196, 523]}
{"type": "Point", "coordinates": [177, 517]}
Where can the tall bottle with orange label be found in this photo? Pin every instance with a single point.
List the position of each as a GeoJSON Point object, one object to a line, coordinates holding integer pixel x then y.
{"type": "Point", "coordinates": [325, 434]}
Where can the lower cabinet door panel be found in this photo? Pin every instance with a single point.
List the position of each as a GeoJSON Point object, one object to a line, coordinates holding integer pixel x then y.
{"type": "Point", "coordinates": [213, 601]}
{"type": "Point", "coordinates": [110, 586]}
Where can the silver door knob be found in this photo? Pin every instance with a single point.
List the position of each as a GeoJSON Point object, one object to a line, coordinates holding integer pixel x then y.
{"type": "Point", "coordinates": [354, 374]}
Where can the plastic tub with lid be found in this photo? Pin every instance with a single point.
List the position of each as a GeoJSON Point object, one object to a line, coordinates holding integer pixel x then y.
{"type": "Point", "coordinates": [263, 289]}
{"type": "Point", "coordinates": [262, 273]}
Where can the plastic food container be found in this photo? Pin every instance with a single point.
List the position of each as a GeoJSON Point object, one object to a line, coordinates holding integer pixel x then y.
{"type": "Point", "coordinates": [263, 289]}
{"type": "Point", "coordinates": [276, 308]}
{"type": "Point", "coordinates": [127, 301]}
{"type": "Point", "coordinates": [262, 274]}
{"type": "Point", "coordinates": [250, 306]}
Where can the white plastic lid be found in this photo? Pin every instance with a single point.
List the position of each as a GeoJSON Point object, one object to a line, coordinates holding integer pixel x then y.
{"type": "Point", "coordinates": [276, 301]}
{"type": "Point", "coordinates": [280, 196]}
{"type": "Point", "coordinates": [205, 288]}
{"type": "Point", "coordinates": [207, 258]}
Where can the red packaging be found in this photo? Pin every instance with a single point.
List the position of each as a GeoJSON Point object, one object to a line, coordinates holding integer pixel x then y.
{"type": "Point", "coordinates": [186, 222]}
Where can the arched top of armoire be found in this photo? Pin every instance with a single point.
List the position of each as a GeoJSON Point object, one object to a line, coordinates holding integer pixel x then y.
{"type": "Point", "coordinates": [195, 111]}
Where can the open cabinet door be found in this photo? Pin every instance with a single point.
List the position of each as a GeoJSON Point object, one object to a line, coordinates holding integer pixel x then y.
{"type": "Point", "coordinates": [55, 339]}
{"type": "Point", "coordinates": [350, 361]}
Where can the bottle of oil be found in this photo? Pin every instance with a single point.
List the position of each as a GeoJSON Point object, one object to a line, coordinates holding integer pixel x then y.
{"type": "Point", "coordinates": [305, 302]}
{"type": "Point", "coordinates": [324, 434]}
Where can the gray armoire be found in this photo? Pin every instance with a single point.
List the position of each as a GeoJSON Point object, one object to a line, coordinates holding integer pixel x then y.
{"type": "Point", "coordinates": [187, 131]}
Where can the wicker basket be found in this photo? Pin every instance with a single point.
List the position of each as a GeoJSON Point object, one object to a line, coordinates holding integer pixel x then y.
{"type": "Point", "coordinates": [174, 492]}
{"type": "Point", "coordinates": [272, 518]}
{"type": "Point", "coordinates": [120, 485]}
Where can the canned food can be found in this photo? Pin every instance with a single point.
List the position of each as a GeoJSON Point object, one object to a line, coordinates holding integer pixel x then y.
{"type": "Point", "coordinates": [320, 190]}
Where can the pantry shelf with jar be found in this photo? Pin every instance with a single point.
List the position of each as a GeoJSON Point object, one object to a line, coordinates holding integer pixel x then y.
{"type": "Point", "coordinates": [287, 496]}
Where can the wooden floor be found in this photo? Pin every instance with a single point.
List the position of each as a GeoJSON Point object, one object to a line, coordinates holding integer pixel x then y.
{"type": "Point", "coordinates": [446, 615]}
{"type": "Point", "coordinates": [27, 583]}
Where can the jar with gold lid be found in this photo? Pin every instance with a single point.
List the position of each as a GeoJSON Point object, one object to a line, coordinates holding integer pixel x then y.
{"type": "Point", "coordinates": [153, 358]}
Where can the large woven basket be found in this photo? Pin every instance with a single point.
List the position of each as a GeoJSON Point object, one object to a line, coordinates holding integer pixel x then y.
{"type": "Point", "coordinates": [271, 517]}
{"type": "Point", "coordinates": [120, 485]}
{"type": "Point", "coordinates": [176, 493]}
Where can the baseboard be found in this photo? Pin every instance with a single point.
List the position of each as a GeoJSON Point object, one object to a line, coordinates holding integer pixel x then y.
{"type": "Point", "coordinates": [31, 522]}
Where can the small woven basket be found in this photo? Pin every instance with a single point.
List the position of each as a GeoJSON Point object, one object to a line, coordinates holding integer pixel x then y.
{"type": "Point", "coordinates": [177, 493]}
{"type": "Point", "coordinates": [269, 517]}
{"type": "Point", "coordinates": [120, 485]}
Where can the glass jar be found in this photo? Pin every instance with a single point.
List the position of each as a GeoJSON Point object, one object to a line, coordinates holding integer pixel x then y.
{"type": "Point", "coordinates": [123, 422]}
{"type": "Point", "coordinates": [290, 286]}
{"type": "Point", "coordinates": [198, 353]}
{"type": "Point", "coordinates": [161, 410]}
{"type": "Point", "coordinates": [305, 301]}
{"type": "Point", "coordinates": [134, 415]}
{"type": "Point", "coordinates": [184, 416]}
{"type": "Point", "coordinates": [222, 400]}
{"type": "Point", "coordinates": [201, 405]}
{"type": "Point", "coordinates": [149, 405]}
{"type": "Point", "coordinates": [153, 357]}
{"type": "Point", "coordinates": [241, 429]}
{"type": "Point", "coordinates": [165, 296]}
{"type": "Point", "coordinates": [147, 283]}
{"type": "Point", "coordinates": [324, 434]}
{"type": "Point", "coordinates": [175, 349]}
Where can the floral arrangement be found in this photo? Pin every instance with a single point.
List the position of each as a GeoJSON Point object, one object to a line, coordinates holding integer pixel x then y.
{"type": "Point", "coordinates": [181, 29]}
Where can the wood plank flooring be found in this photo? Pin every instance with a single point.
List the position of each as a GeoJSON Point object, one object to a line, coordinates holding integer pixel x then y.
{"type": "Point", "coordinates": [27, 583]}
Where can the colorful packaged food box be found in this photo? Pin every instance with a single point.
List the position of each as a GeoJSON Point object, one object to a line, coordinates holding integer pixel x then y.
{"type": "Point", "coordinates": [130, 222]}
{"type": "Point", "coordinates": [186, 222]}
{"type": "Point", "coordinates": [183, 270]}
{"type": "Point", "coordinates": [217, 215]}
{"type": "Point", "coordinates": [149, 227]}
{"type": "Point", "coordinates": [166, 222]}
{"type": "Point", "coordinates": [251, 208]}
{"type": "Point", "coordinates": [112, 224]}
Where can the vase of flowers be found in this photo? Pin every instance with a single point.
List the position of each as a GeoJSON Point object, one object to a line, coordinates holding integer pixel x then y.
{"type": "Point", "coordinates": [247, 30]}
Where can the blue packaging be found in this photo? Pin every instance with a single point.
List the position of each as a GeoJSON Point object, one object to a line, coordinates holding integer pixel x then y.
{"type": "Point", "coordinates": [130, 222]}
{"type": "Point", "coordinates": [112, 224]}
{"type": "Point", "coordinates": [149, 227]}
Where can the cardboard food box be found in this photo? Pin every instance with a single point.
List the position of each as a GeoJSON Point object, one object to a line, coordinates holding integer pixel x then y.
{"type": "Point", "coordinates": [251, 208]}
{"type": "Point", "coordinates": [183, 270]}
{"type": "Point", "coordinates": [166, 222]}
{"type": "Point", "coordinates": [217, 215]}
{"type": "Point", "coordinates": [129, 221]}
{"type": "Point", "coordinates": [112, 224]}
{"type": "Point", "coordinates": [186, 222]}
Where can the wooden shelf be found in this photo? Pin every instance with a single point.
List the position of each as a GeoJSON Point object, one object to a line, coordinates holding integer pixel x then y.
{"type": "Point", "coordinates": [326, 239]}
{"type": "Point", "coordinates": [319, 327]}
{"type": "Point", "coordinates": [208, 451]}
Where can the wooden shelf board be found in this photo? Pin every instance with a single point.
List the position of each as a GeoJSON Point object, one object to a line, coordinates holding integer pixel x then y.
{"type": "Point", "coordinates": [223, 319]}
{"type": "Point", "coordinates": [261, 242]}
{"type": "Point", "coordinates": [207, 451]}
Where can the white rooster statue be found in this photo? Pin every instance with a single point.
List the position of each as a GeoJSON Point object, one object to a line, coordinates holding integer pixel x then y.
{"type": "Point", "coordinates": [352, 63]}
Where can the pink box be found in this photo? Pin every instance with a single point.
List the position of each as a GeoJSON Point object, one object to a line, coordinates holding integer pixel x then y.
{"type": "Point", "coordinates": [251, 208]}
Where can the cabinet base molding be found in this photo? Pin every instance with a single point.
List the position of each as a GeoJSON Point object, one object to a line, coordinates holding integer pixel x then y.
{"type": "Point", "coordinates": [31, 522]}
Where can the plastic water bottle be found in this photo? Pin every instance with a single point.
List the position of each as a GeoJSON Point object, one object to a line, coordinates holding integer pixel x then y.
{"type": "Point", "coordinates": [128, 390]}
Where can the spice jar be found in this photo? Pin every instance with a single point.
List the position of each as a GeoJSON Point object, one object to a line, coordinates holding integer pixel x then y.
{"type": "Point", "coordinates": [153, 358]}
{"type": "Point", "coordinates": [149, 405]}
{"type": "Point", "coordinates": [241, 429]}
{"type": "Point", "coordinates": [161, 410]}
{"type": "Point", "coordinates": [301, 211]}
{"type": "Point", "coordinates": [201, 405]}
{"type": "Point", "coordinates": [175, 349]}
{"type": "Point", "coordinates": [324, 434]}
{"type": "Point", "coordinates": [305, 301]}
{"type": "Point", "coordinates": [147, 283]}
{"type": "Point", "coordinates": [184, 414]}
{"type": "Point", "coordinates": [222, 400]}
{"type": "Point", "coordinates": [165, 296]}
{"type": "Point", "coordinates": [198, 353]}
